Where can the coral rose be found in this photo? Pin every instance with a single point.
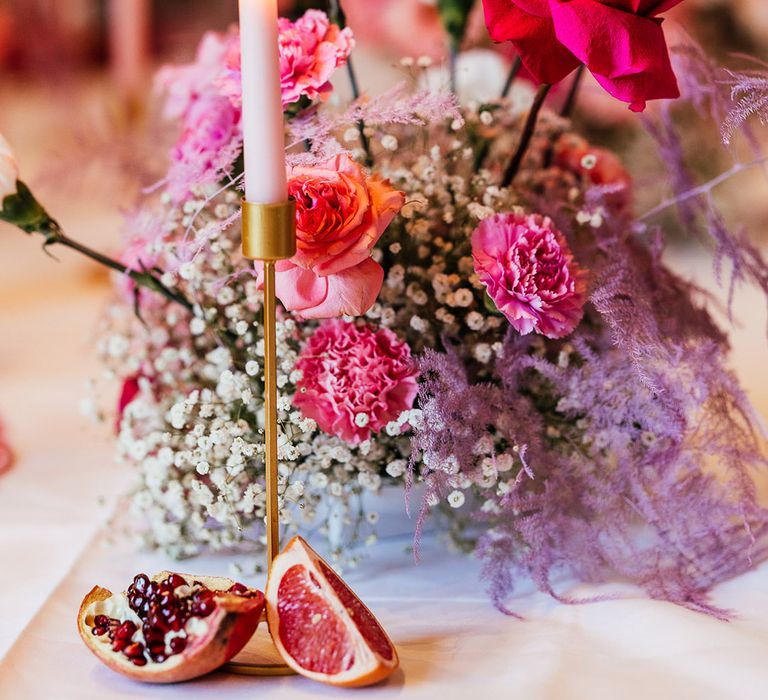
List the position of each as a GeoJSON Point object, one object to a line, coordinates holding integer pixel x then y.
{"type": "Point", "coordinates": [620, 41]}
{"type": "Point", "coordinates": [311, 49]}
{"type": "Point", "coordinates": [355, 379]}
{"type": "Point", "coordinates": [341, 214]}
{"type": "Point", "coordinates": [529, 272]}
{"type": "Point", "coordinates": [599, 165]}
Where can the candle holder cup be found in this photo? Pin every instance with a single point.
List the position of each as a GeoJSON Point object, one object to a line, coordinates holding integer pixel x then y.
{"type": "Point", "coordinates": [269, 235]}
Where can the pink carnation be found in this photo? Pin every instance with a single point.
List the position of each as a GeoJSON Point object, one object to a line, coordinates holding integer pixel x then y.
{"type": "Point", "coordinates": [211, 132]}
{"type": "Point", "coordinates": [209, 144]}
{"type": "Point", "coordinates": [311, 49]}
{"type": "Point", "coordinates": [355, 379]}
{"type": "Point", "coordinates": [184, 84]}
{"type": "Point", "coordinates": [530, 274]}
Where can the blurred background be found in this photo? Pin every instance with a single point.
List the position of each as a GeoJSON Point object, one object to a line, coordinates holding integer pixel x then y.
{"type": "Point", "coordinates": [76, 103]}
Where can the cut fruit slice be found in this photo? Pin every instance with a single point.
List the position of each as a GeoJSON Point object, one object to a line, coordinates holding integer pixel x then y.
{"type": "Point", "coordinates": [320, 627]}
{"type": "Point", "coordinates": [169, 628]}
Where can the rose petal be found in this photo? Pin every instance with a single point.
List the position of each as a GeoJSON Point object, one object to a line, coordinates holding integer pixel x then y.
{"type": "Point", "coordinates": [626, 53]}
{"type": "Point", "coordinates": [533, 35]}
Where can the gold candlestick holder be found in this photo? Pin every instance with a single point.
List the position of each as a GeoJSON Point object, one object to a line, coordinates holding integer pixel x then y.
{"type": "Point", "coordinates": [269, 235]}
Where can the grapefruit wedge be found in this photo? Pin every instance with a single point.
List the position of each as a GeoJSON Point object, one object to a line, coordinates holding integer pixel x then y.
{"type": "Point", "coordinates": [320, 627]}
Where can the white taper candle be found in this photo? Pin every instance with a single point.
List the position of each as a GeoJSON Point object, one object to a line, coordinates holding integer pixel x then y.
{"type": "Point", "coordinates": [263, 130]}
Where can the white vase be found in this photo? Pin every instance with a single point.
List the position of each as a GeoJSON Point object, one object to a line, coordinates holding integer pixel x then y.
{"type": "Point", "coordinates": [389, 503]}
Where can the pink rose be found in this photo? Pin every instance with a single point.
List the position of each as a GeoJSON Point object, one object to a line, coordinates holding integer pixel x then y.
{"type": "Point", "coordinates": [341, 214]}
{"type": "Point", "coordinates": [355, 379]}
{"type": "Point", "coordinates": [311, 49]}
{"type": "Point", "coordinates": [529, 272]}
{"type": "Point", "coordinates": [620, 41]}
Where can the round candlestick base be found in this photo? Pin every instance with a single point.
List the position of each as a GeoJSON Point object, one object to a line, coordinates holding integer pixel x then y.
{"type": "Point", "coordinates": [259, 657]}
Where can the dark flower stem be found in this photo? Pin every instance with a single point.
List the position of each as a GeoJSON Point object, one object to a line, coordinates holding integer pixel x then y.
{"type": "Point", "coordinates": [364, 140]}
{"type": "Point", "coordinates": [337, 16]}
{"type": "Point", "coordinates": [55, 236]}
{"type": "Point", "coordinates": [527, 135]}
{"type": "Point", "coordinates": [570, 102]}
{"type": "Point", "coordinates": [517, 64]}
{"type": "Point", "coordinates": [453, 58]}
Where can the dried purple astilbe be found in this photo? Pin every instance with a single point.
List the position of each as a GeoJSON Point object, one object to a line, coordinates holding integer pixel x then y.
{"type": "Point", "coordinates": [701, 80]}
{"type": "Point", "coordinates": [319, 132]}
{"type": "Point", "coordinates": [749, 94]}
{"type": "Point", "coordinates": [640, 440]}
{"type": "Point", "coordinates": [620, 490]}
{"type": "Point", "coordinates": [698, 213]}
{"type": "Point", "coordinates": [672, 154]}
{"type": "Point", "coordinates": [404, 105]}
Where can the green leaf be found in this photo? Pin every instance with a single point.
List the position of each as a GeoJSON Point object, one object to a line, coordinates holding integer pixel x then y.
{"type": "Point", "coordinates": [490, 305]}
{"type": "Point", "coordinates": [455, 15]}
{"type": "Point", "coordinates": [23, 210]}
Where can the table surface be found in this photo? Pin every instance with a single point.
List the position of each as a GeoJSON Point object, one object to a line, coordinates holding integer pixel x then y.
{"type": "Point", "coordinates": [53, 548]}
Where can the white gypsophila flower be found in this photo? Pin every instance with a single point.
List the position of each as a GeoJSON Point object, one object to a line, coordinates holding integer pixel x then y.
{"type": "Point", "coordinates": [389, 143]}
{"type": "Point", "coordinates": [482, 352]}
{"type": "Point", "coordinates": [462, 298]}
{"type": "Point", "coordinates": [396, 468]}
{"type": "Point", "coordinates": [475, 320]}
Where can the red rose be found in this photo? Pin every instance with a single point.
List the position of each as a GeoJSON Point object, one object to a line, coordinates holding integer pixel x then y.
{"type": "Point", "coordinates": [620, 41]}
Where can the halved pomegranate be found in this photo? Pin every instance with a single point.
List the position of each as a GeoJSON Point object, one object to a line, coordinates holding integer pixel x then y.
{"type": "Point", "coordinates": [320, 627]}
{"type": "Point", "coordinates": [171, 627]}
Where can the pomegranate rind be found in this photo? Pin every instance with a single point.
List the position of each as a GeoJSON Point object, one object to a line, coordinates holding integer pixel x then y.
{"type": "Point", "coordinates": [229, 628]}
{"type": "Point", "coordinates": [369, 667]}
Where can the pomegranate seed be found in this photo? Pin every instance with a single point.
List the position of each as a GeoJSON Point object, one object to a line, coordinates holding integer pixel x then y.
{"type": "Point", "coordinates": [157, 648]}
{"type": "Point", "coordinates": [139, 661]}
{"type": "Point", "coordinates": [133, 650]}
{"type": "Point", "coordinates": [203, 608]}
{"type": "Point", "coordinates": [119, 644]}
{"type": "Point", "coordinates": [239, 589]}
{"type": "Point", "coordinates": [141, 583]}
{"type": "Point", "coordinates": [175, 581]}
{"type": "Point", "coordinates": [159, 658]}
{"type": "Point", "coordinates": [101, 621]}
{"type": "Point", "coordinates": [99, 631]}
{"type": "Point", "coordinates": [126, 630]}
{"type": "Point", "coordinates": [178, 644]}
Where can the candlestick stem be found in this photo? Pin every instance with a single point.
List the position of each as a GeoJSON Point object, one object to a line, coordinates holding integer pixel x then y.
{"type": "Point", "coordinates": [270, 413]}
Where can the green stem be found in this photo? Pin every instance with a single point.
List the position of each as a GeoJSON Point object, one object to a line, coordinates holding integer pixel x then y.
{"type": "Point", "coordinates": [143, 279]}
{"type": "Point", "coordinates": [527, 135]}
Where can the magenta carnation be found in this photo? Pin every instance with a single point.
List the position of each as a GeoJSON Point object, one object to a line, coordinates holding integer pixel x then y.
{"type": "Point", "coordinates": [311, 48]}
{"type": "Point", "coordinates": [355, 379]}
{"type": "Point", "coordinates": [530, 274]}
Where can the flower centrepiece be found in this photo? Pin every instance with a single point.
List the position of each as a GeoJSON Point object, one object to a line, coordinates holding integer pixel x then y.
{"type": "Point", "coordinates": [355, 379]}
{"type": "Point", "coordinates": [341, 214]}
{"type": "Point", "coordinates": [621, 42]}
{"type": "Point", "coordinates": [529, 272]}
